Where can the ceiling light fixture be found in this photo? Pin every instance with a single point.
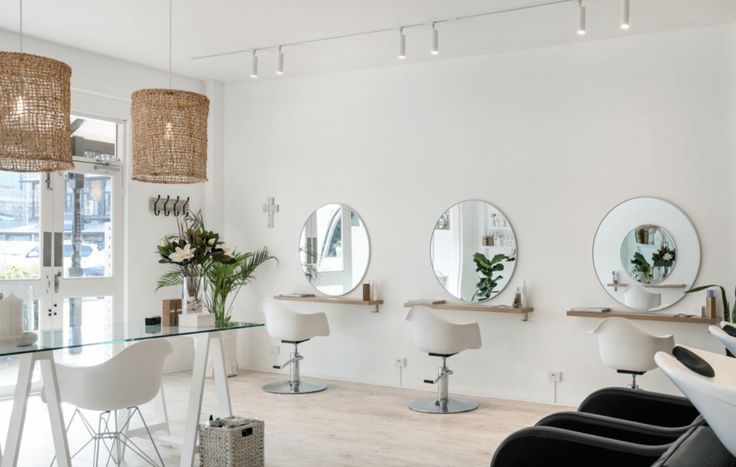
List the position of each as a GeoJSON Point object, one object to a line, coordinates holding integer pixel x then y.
{"type": "Point", "coordinates": [35, 103]}
{"type": "Point", "coordinates": [581, 18]}
{"type": "Point", "coordinates": [254, 65]}
{"type": "Point", "coordinates": [435, 39]}
{"type": "Point", "coordinates": [402, 44]}
{"type": "Point", "coordinates": [280, 66]}
{"type": "Point", "coordinates": [625, 13]}
{"type": "Point", "coordinates": [169, 132]}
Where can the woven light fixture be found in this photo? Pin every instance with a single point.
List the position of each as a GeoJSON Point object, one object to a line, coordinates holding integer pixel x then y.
{"type": "Point", "coordinates": [35, 103]}
{"type": "Point", "coordinates": [169, 133]}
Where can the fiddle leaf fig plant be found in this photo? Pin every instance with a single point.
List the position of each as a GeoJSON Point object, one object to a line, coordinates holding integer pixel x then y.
{"type": "Point", "coordinates": [728, 313]}
{"type": "Point", "coordinates": [487, 268]}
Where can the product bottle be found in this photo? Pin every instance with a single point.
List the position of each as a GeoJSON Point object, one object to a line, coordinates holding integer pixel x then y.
{"type": "Point", "coordinates": [517, 299]}
{"type": "Point", "coordinates": [524, 298]}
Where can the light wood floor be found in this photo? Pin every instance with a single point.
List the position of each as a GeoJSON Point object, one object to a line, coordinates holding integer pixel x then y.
{"type": "Point", "coordinates": [347, 425]}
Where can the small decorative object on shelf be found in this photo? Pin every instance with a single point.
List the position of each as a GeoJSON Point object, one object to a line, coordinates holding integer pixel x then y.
{"type": "Point", "coordinates": [231, 442]}
{"type": "Point", "coordinates": [171, 311]}
{"type": "Point", "coordinates": [517, 299]}
{"type": "Point", "coordinates": [367, 292]}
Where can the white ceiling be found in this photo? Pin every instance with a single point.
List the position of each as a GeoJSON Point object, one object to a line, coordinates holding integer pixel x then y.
{"type": "Point", "coordinates": [137, 30]}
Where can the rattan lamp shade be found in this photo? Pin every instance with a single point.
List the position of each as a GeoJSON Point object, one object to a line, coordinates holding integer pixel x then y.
{"type": "Point", "coordinates": [169, 136]}
{"type": "Point", "coordinates": [35, 101]}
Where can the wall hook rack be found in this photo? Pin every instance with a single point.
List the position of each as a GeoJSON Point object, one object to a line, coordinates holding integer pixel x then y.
{"type": "Point", "coordinates": [168, 206]}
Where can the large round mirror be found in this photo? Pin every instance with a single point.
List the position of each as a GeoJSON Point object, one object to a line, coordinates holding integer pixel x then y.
{"type": "Point", "coordinates": [473, 251]}
{"type": "Point", "coordinates": [334, 249]}
{"type": "Point", "coordinates": [646, 254]}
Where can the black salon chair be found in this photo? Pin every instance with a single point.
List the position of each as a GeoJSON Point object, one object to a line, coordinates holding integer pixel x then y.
{"type": "Point", "coordinates": [550, 446]}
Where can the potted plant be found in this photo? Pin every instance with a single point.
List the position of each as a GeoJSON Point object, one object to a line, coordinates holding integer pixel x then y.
{"type": "Point", "coordinates": [191, 253]}
{"type": "Point", "coordinates": [487, 268]}
{"type": "Point", "coordinates": [642, 270]}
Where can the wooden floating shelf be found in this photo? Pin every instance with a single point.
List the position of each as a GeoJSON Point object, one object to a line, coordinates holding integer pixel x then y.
{"type": "Point", "coordinates": [478, 307]}
{"type": "Point", "coordinates": [643, 316]}
{"type": "Point", "coordinates": [332, 300]}
{"type": "Point", "coordinates": [653, 286]}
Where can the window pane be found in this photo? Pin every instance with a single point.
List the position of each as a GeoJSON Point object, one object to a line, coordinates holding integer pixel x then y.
{"type": "Point", "coordinates": [91, 317]}
{"type": "Point", "coordinates": [19, 225]}
{"type": "Point", "coordinates": [88, 225]}
{"type": "Point", "coordinates": [94, 139]}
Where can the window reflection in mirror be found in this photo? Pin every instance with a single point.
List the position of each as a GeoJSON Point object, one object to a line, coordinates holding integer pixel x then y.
{"type": "Point", "coordinates": [334, 249]}
{"type": "Point", "coordinates": [648, 254]}
{"type": "Point", "coordinates": [473, 251]}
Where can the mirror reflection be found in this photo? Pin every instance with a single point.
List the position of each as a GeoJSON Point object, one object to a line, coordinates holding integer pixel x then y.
{"type": "Point", "coordinates": [648, 254]}
{"type": "Point", "coordinates": [473, 251]}
{"type": "Point", "coordinates": [334, 249]}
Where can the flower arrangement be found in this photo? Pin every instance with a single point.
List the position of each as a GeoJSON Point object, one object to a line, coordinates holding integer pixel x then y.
{"type": "Point", "coordinates": [192, 252]}
{"type": "Point", "coordinates": [664, 257]}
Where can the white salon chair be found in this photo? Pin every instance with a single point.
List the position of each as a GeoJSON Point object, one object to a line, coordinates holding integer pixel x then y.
{"type": "Point", "coordinates": [628, 349]}
{"type": "Point", "coordinates": [123, 383]}
{"type": "Point", "coordinates": [294, 328]}
{"type": "Point", "coordinates": [726, 334]}
{"type": "Point", "coordinates": [443, 339]}
{"type": "Point", "coordinates": [638, 298]}
{"type": "Point", "coordinates": [709, 382]}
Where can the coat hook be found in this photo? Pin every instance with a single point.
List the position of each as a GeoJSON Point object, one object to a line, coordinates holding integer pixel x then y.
{"type": "Point", "coordinates": [185, 208]}
{"type": "Point", "coordinates": [156, 210]}
{"type": "Point", "coordinates": [176, 205]}
{"type": "Point", "coordinates": [166, 206]}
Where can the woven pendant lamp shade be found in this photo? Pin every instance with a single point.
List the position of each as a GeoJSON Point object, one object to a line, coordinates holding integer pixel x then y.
{"type": "Point", "coordinates": [169, 136]}
{"type": "Point", "coordinates": [35, 102]}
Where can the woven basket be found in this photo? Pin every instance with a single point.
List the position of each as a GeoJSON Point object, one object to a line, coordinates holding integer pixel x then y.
{"type": "Point", "coordinates": [169, 136]}
{"type": "Point", "coordinates": [232, 447]}
{"type": "Point", "coordinates": [35, 103]}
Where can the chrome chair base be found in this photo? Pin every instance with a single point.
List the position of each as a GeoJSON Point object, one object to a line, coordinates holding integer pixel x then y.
{"type": "Point", "coordinates": [303, 387]}
{"type": "Point", "coordinates": [444, 406]}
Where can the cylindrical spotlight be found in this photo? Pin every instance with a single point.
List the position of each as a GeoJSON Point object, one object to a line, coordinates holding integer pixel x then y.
{"type": "Point", "coordinates": [625, 13]}
{"type": "Point", "coordinates": [402, 44]}
{"type": "Point", "coordinates": [581, 18]}
{"type": "Point", "coordinates": [254, 65]}
{"type": "Point", "coordinates": [280, 66]}
{"type": "Point", "coordinates": [435, 40]}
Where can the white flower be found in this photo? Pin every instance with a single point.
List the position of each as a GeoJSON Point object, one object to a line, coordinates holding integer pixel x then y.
{"type": "Point", "coordinates": [182, 254]}
{"type": "Point", "coordinates": [211, 241]}
{"type": "Point", "coordinates": [227, 250]}
{"type": "Point", "coordinates": [667, 257]}
{"type": "Point", "coordinates": [163, 243]}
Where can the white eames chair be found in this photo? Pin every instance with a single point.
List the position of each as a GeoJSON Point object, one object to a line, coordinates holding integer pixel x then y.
{"type": "Point", "coordinates": [628, 349]}
{"type": "Point", "coordinates": [726, 334]}
{"type": "Point", "coordinates": [710, 384]}
{"type": "Point", "coordinates": [123, 383]}
{"type": "Point", "coordinates": [441, 338]}
{"type": "Point", "coordinates": [294, 328]}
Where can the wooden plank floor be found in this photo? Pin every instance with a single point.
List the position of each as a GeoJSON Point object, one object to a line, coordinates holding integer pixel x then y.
{"type": "Point", "coordinates": [348, 425]}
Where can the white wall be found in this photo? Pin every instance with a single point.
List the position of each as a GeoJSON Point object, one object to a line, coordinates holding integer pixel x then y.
{"type": "Point", "coordinates": [101, 86]}
{"type": "Point", "coordinates": [554, 137]}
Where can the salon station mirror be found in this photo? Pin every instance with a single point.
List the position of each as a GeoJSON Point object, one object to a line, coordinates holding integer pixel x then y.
{"type": "Point", "coordinates": [473, 251]}
{"type": "Point", "coordinates": [334, 249]}
{"type": "Point", "coordinates": [646, 254]}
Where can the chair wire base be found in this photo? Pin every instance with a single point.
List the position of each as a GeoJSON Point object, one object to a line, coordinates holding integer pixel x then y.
{"type": "Point", "coordinates": [115, 441]}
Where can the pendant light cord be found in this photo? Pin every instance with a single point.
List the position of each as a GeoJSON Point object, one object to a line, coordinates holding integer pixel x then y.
{"type": "Point", "coordinates": [171, 14]}
{"type": "Point", "coordinates": [20, 28]}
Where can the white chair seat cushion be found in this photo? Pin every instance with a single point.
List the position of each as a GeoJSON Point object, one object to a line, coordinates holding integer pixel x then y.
{"type": "Point", "coordinates": [433, 334]}
{"type": "Point", "coordinates": [623, 346]}
{"type": "Point", "coordinates": [287, 325]}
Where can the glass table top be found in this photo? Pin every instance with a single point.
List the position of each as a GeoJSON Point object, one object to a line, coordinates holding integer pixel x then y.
{"type": "Point", "coordinates": [119, 333]}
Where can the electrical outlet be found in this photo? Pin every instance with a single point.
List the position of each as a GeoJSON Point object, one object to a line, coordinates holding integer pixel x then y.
{"type": "Point", "coordinates": [400, 362]}
{"type": "Point", "coordinates": [275, 349]}
{"type": "Point", "coordinates": [554, 376]}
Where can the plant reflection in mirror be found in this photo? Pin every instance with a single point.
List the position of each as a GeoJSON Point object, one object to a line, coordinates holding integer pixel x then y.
{"type": "Point", "coordinates": [487, 268]}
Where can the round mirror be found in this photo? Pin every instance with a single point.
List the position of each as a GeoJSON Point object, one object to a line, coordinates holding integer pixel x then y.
{"type": "Point", "coordinates": [473, 251]}
{"type": "Point", "coordinates": [334, 249]}
{"type": "Point", "coordinates": [646, 254]}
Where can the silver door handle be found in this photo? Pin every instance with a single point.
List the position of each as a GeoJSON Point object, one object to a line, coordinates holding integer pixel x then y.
{"type": "Point", "coordinates": [57, 279]}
